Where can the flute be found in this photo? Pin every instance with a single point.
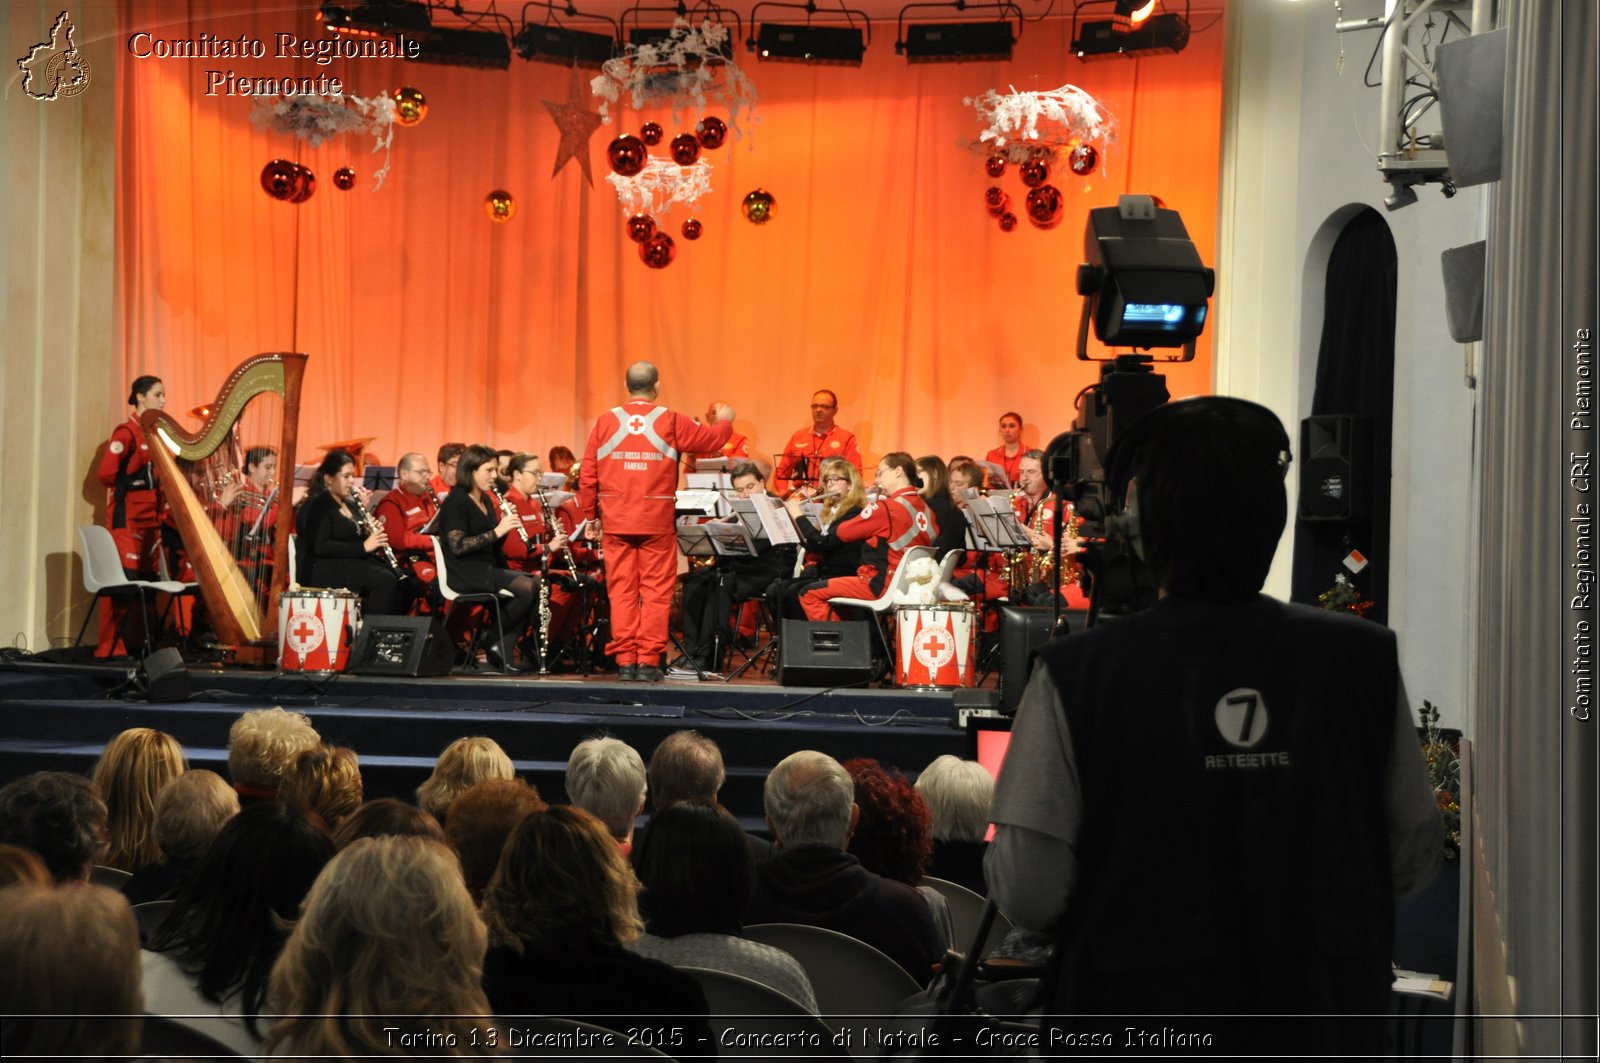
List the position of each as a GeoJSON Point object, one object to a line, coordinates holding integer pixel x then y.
{"type": "Point", "coordinates": [364, 520]}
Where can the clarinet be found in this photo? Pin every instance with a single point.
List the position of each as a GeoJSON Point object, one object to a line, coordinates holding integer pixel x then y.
{"type": "Point", "coordinates": [364, 521]}
{"type": "Point", "coordinates": [509, 510]}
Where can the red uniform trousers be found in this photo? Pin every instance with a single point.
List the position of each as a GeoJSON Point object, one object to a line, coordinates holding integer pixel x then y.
{"type": "Point", "coordinates": [138, 544]}
{"type": "Point", "coordinates": [816, 602]}
{"type": "Point", "coordinates": [641, 574]}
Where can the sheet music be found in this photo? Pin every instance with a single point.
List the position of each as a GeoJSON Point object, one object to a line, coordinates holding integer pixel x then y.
{"type": "Point", "coordinates": [708, 481]}
{"type": "Point", "coordinates": [814, 511]}
{"type": "Point", "coordinates": [555, 499]}
{"type": "Point", "coordinates": [731, 539]}
{"type": "Point", "coordinates": [775, 520]}
{"type": "Point", "coordinates": [998, 524]}
{"type": "Point", "coordinates": [997, 478]}
{"type": "Point", "coordinates": [552, 481]}
{"type": "Point", "coordinates": [713, 465]}
{"type": "Point", "coordinates": [745, 510]}
{"type": "Point", "coordinates": [697, 500]}
{"type": "Point", "coordinates": [693, 541]}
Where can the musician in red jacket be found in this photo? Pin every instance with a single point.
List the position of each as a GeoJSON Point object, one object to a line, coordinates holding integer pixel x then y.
{"type": "Point", "coordinates": [735, 449]}
{"type": "Point", "coordinates": [800, 463]}
{"type": "Point", "coordinates": [628, 476]}
{"type": "Point", "coordinates": [897, 521]}
{"type": "Point", "coordinates": [404, 512]}
{"type": "Point", "coordinates": [134, 512]}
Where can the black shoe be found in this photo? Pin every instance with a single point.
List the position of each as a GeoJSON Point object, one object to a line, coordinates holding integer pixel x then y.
{"type": "Point", "coordinates": [649, 673]}
{"type": "Point", "coordinates": [497, 662]}
{"type": "Point", "coordinates": [627, 673]}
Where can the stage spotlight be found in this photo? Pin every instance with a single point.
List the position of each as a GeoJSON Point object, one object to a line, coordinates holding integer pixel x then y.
{"type": "Point", "coordinates": [557, 44]}
{"type": "Point", "coordinates": [480, 49]}
{"type": "Point", "coordinates": [825, 45]}
{"type": "Point", "coordinates": [1143, 284]}
{"type": "Point", "coordinates": [376, 18]}
{"type": "Point", "coordinates": [1131, 31]}
{"type": "Point", "coordinates": [945, 42]}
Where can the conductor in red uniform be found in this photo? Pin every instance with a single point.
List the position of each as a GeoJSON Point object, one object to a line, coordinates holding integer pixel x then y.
{"type": "Point", "coordinates": [630, 470]}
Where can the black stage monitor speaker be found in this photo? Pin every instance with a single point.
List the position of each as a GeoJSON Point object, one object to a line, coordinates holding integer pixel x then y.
{"type": "Point", "coordinates": [166, 676]}
{"type": "Point", "coordinates": [1023, 630]}
{"type": "Point", "coordinates": [825, 654]}
{"type": "Point", "coordinates": [403, 645]}
{"type": "Point", "coordinates": [1333, 468]}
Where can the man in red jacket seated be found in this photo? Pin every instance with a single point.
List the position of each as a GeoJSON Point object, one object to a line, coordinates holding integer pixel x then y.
{"type": "Point", "coordinates": [403, 512]}
{"type": "Point", "coordinates": [628, 476]}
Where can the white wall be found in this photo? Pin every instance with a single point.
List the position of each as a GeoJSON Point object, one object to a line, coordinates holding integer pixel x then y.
{"type": "Point", "coordinates": [1300, 157]}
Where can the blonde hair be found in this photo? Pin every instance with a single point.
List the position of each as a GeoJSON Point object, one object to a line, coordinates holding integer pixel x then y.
{"type": "Point", "coordinates": [191, 812]}
{"type": "Point", "coordinates": [562, 885]}
{"type": "Point", "coordinates": [129, 775]}
{"type": "Point", "coordinates": [388, 938]}
{"type": "Point", "coordinates": [70, 951]}
{"type": "Point", "coordinates": [463, 762]}
{"type": "Point", "coordinates": [854, 496]}
{"type": "Point", "coordinates": [262, 744]}
{"type": "Point", "coordinates": [325, 779]}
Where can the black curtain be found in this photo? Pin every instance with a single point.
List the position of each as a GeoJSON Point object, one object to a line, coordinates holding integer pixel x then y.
{"type": "Point", "coordinates": [1355, 377]}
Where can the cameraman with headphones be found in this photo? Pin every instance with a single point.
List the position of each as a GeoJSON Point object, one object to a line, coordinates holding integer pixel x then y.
{"type": "Point", "coordinates": [1214, 803]}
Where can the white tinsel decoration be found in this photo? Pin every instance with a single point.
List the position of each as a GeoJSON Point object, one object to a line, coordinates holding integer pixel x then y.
{"type": "Point", "coordinates": [680, 71]}
{"type": "Point", "coordinates": [1012, 122]}
{"type": "Point", "coordinates": [319, 117]}
{"type": "Point", "coordinates": [662, 183]}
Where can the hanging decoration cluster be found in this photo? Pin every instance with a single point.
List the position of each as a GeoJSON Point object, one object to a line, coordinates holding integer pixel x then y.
{"type": "Point", "coordinates": [688, 70]}
{"type": "Point", "coordinates": [648, 185]}
{"type": "Point", "coordinates": [316, 118]}
{"type": "Point", "coordinates": [1034, 131]}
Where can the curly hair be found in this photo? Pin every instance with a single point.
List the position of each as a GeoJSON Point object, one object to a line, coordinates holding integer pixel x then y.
{"type": "Point", "coordinates": [59, 816]}
{"type": "Point", "coordinates": [464, 762]}
{"type": "Point", "coordinates": [262, 743]}
{"type": "Point", "coordinates": [893, 835]}
{"type": "Point", "coordinates": [130, 775]}
{"type": "Point", "coordinates": [481, 819]}
{"type": "Point", "coordinates": [389, 938]}
{"type": "Point", "coordinates": [562, 885]}
{"type": "Point", "coordinates": [326, 780]}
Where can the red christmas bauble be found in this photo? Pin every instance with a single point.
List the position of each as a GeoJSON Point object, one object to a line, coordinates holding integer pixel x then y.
{"type": "Point", "coordinates": [685, 149]}
{"type": "Point", "coordinates": [1083, 159]}
{"type": "Point", "coordinates": [1044, 206]}
{"type": "Point", "coordinates": [993, 196]}
{"type": "Point", "coordinates": [651, 133]}
{"type": "Point", "coordinates": [344, 178]}
{"type": "Point", "coordinates": [712, 132]}
{"type": "Point", "coordinates": [994, 166]}
{"type": "Point", "coordinates": [302, 185]}
{"type": "Point", "coordinates": [641, 227]}
{"type": "Point", "coordinates": [627, 155]}
{"type": "Point", "coordinates": [658, 251]}
{"type": "Point", "coordinates": [997, 209]}
{"type": "Point", "coordinates": [1008, 221]}
{"type": "Point", "coordinates": [691, 229]}
{"type": "Point", "coordinates": [277, 179]}
{"type": "Point", "coordinates": [1035, 172]}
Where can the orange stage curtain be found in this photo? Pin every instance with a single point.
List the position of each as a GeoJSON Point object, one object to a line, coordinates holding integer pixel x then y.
{"type": "Point", "coordinates": [881, 276]}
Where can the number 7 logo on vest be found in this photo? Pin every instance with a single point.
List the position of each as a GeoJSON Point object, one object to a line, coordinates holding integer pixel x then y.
{"type": "Point", "coordinates": [1241, 716]}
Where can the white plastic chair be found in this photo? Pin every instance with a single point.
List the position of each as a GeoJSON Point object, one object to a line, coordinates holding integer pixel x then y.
{"type": "Point", "coordinates": [966, 912]}
{"type": "Point", "coordinates": [103, 577]}
{"type": "Point", "coordinates": [746, 1008]}
{"type": "Point", "coordinates": [885, 602]}
{"type": "Point", "coordinates": [452, 596]}
{"type": "Point", "coordinates": [850, 977]}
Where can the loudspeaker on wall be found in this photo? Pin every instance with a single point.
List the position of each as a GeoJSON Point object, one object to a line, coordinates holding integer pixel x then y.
{"type": "Point", "coordinates": [1334, 471]}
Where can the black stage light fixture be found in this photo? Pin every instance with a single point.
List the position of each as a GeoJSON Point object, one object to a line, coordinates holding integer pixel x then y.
{"type": "Point", "coordinates": [656, 34]}
{"type": "Point", "coordinates": [1143, 284]}
{"type": "Point", "coordinates": [1131, 31]}
{"type": "Point", "coordinates": [557, 44]}
{"type": "Point", "coordinates": [377, 18]}
{"type": "Point", "coordinates": [482, 49]}
{"type": "Point", "coordinates": [948, 42]}
{"type": "Point", "coordinates": [827, 45]}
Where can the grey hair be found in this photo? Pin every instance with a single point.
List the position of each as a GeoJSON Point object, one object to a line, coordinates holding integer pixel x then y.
{"type": "Point", "coordinates": [808, 799]}
{"type": "Point", "coordinates": [957, 793]}
{"type": "Point", "coordinates": [605, 777]}
{"type": "Point", "coordinates": [685, 765]}
{"type": "Point", "coordinates": [191, 811]}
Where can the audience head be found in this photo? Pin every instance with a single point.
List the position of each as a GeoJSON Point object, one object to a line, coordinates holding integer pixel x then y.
{"type": "Point", "coordinates": [59, 816]}
{"type": "Point", "coordinates": [810, 800]}
{"type": "Point", "coordinates": [326, 780]}
{"type": "Point", "coordinates": [384, 817]}
{"type": "Point", "coordinates": [606, 776]}
{"type": "Point", "coordinates": [130, 774]}
{"type": "Point", "coordinates": [464, 762]}
{"type": "Point", "coordinates": [562, 885]}
{"type": "Point", "coordinates": [69, 973]}
{"type": "Point", "coordinates": [191, 812]}
{"type": "Point", "coordinates": [957, 793]}
{"type": "Point", "coordinates": [389, 938]}
{"type": "Point", "coordinates": [261, 746]}
{"type": "Point", "coordinates": [224, 923]}
{"type": "Point", "coordinates": [685, 766]}
{"type": "Point", "coordinates": [696, 870]}
{"type": "Point", "coordinates": [22, 867]}
{"type": "Point", "coordinates": [481, 820]}
{"type": "Point", "coordinates": [935, 480]}
{"type": "Point", "coordinates": [1207, 448]}
{"type": "Point", "coordinates": [891, 835]}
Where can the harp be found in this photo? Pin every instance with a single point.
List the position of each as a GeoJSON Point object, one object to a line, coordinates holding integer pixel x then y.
{"type": "Point", "coordinates": [260, 401]}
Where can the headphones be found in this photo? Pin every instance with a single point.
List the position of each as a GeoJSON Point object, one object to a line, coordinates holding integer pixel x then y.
{"type": "Point", "coordinates": [1123, 457]}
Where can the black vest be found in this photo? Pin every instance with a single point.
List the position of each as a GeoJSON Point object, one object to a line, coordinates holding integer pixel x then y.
{"type": "Point", "coordinates": [1234, 850]}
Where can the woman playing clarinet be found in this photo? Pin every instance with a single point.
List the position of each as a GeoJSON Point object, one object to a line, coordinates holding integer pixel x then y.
{"type": "Point", "coordinates": [472, 526]}
{"type": "Point", "coordinates": [339, 546]}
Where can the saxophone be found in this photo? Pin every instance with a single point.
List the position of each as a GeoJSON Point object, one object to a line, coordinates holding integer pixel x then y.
{"type": "Point", "coordinates": [1042, 562]}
